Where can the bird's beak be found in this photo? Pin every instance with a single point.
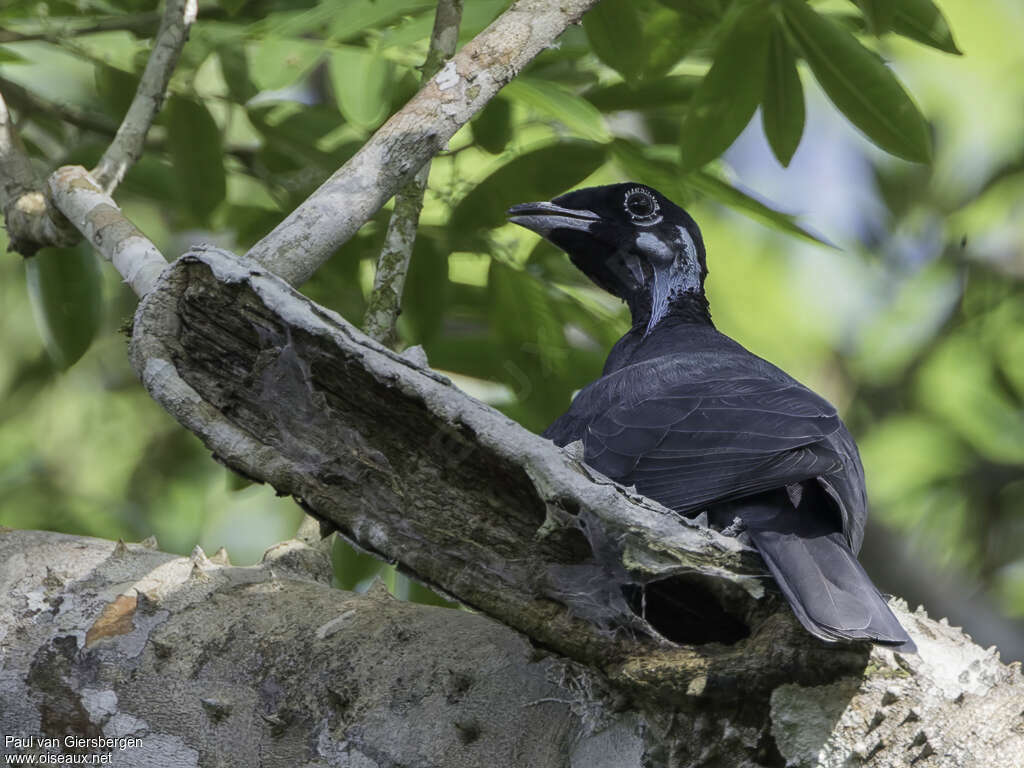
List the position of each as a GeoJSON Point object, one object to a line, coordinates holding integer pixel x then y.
{"type": "Point", "coordinates": [542, 218]}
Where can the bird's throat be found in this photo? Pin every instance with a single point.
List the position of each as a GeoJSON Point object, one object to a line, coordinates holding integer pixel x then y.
{"type": "Point", "coordinates": [674, 292]}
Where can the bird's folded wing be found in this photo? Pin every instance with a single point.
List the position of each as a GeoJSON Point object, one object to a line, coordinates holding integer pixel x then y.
{"type": "Point", "coordinates": [707, 440]}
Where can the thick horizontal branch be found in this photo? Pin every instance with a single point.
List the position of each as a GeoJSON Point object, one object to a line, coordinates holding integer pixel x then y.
{"type": "Point", "coordinates": [414, 134]}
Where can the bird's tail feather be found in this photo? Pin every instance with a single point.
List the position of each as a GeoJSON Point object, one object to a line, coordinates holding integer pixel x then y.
{"type": "Point", "coordinates": [828, 589]}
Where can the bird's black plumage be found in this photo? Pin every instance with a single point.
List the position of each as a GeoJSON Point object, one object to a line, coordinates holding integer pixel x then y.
{"type": "Point", "coordinates": [696, 422]}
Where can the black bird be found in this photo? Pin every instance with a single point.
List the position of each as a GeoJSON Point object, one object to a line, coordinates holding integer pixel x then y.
{"type": "Point", "coordinates": [697, 422]}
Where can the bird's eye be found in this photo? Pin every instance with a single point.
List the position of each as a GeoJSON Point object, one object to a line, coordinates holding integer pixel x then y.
{"type": "Point", "coordinates": [640, 205]}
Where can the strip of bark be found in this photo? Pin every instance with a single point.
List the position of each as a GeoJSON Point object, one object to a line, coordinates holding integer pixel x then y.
{"type": "Point", "coordinates": [393, 264]}
{"type": "Point", "coordinates": [334, 212]}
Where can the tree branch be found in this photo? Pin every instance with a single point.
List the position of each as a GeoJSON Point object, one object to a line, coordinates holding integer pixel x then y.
{"type": "Point", "coordinates": [30, 224]}
{"type": "Point", "coordinates": [99, 219]}
{"type": "Point", "coordinates": [311, 233]}
{"type": "Point", "coordinates": [128, 144]}
{"type": "Point", "coordinates": [386, 300]}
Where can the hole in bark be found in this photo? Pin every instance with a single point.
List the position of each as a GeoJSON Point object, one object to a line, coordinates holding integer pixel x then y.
{"type": "Point", "coordinates": [685, 611]}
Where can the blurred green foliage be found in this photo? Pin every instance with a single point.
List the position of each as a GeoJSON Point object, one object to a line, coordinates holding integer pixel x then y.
{"type": "Point", "coordinates": [918, 337]}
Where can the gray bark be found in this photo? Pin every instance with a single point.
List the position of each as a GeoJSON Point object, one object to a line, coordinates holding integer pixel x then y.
{"type": "Point", "coordinates": [205, 664]}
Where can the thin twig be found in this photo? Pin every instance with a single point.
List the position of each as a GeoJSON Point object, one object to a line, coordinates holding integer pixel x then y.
{"type": "Point", "coordinates": [95, 214]}
{"type": "Point", "coordinates": [127, 146]}
{"type": "Point", "coordinates": [386, 301]}
{"type": "Point", "coordinates": [331, 215]}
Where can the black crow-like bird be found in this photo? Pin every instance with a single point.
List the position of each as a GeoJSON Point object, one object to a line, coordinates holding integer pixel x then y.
{"type": "Point", "coordinates": [697, 422]}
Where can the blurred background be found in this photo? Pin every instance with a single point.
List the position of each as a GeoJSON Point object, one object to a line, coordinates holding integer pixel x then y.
{"type": "Point", "coordinates": [895, 289]}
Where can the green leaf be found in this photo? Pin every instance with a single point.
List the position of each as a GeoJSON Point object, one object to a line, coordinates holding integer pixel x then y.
{"type": "Point", "coordinates": [782, 107]}
{"type": "Point", "coordinates": [277, 62]}
{"type": "Point", "coordinates": [353, 568]}
{"type": "Point", "coordinates": [349, 19]}
{"type": "Point", "coordinates": [7, 56]}
{"type": "Point", "coordinates": [561, 103]}
{"type": "Point", "coordinates": [668, 38]}
{"type": "Point", "coordinates": [878, 14]}
{"type": "Point", "coordinates": [361, 80]}
{"type": "Point", "coordinates": [235, 68]}
{"type": "Point", "coordinates": [730, 92]}
{"type": "Point", "coordinates": [66, 292]}
{"type": "Point", "coordinates": [492, 127]}
{"type": "Point", "coordinates": [643, 163]}
{"type": "Point", "coordinates": [232, 7]}
{"type": "Point", "coordinates": [724, 192]}
{"type": "Point", "coordinates": [116, 89]}
{"type": "Point", "coordinates": [859, 84]}
{"type": "Point", "coordinates": [194, 143]}
{"type": "Point", "coordinates": [531, 339]}
{"type": "Point", "coordinates": [702, 11]}
{"type": "Point", "coordinates": [614, 31]}
{"type": "Point", "coordinates": [666, 91]}
{"type": "Point", "coordinates": [922, 21]}
{"type": "Point", "coordinates": [538, 175]}
{"type": "Point", "coordinates": [427, 290]}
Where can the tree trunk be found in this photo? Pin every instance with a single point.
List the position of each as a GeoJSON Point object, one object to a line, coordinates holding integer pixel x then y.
{"type": "Point", "coordinates": [199, 663]}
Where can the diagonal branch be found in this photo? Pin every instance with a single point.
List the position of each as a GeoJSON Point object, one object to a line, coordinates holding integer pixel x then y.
{"type": "Point", "coordinates": [95, 214]}
{"type": "Point", "coordinates": [128, 144]}
{"type": "Point", "coordinates": [388, 282]}
{"type": "Point", "coordinates": [331, 215]}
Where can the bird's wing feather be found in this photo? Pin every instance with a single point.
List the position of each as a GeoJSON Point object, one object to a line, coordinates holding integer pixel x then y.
{"type": "Point", "coordinates": [701, 438]}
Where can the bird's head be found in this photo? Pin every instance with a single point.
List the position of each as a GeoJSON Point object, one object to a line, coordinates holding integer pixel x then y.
{"type": "Point", "coordinates": [630, 240]}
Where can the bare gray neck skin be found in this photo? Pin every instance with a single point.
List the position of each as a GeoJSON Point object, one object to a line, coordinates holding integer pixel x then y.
{"type": "Point", "coordinates": [675, 280]}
